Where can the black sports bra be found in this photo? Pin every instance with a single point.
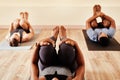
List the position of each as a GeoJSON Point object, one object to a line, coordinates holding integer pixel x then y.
{"type": "Point", "coordinates": [27, 31]}
{"type": "Point", "coordinates": [20, 32]}
{"type": "Point", "coordinates": [100, 25]}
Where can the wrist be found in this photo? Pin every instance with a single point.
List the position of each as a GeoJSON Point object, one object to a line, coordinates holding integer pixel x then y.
{"type": "Point", "coordinates": [96, 16]}
{"type": "Point", "coordinates": [103, 15]}
{"type": "Point", "coordinates": [35, 78]}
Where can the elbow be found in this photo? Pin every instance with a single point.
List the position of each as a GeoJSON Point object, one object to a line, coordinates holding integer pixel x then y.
{"type": "Point", "coordinates": [113, 21]}
{"type": "Point", "coordinates": [83, 65]}
{"type": "Point", "coordinates": [88, 21]}
{"type": "Point", "coordinates": [113, 24]}
{"type": "Point", "coordinates": [87, 24]}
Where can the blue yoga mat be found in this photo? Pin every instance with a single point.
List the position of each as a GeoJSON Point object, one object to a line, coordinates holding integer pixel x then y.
{"type": "Point", "coordinates": [4, 45]}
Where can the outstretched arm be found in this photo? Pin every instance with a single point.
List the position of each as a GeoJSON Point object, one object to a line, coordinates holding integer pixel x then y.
{"type": "Point", "coordinates": [34, 63]}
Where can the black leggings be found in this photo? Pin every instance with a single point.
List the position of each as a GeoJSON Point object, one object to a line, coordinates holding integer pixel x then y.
{"type": "Point", "coordinates": [65, 57]}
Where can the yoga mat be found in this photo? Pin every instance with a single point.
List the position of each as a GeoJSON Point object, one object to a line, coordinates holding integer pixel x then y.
{"type": "Point", "coordinates": [4, 45]}
{"type": "Point", "coordinates": [114, 45]}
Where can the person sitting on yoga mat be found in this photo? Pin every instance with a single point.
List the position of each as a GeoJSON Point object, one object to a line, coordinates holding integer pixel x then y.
{"type": "Point", "coordinates": [101, 31]}
{"type": "Point", "coordinates": [20, 30]}
{"type": "Point", "coordinates": [68, 60]}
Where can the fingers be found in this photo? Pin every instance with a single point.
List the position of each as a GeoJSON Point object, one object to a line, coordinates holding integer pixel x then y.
{"type": "Point", "coordinates": [36, 45]}
{"type": "Point", "coordinates": [100, 14]}
{"type": "Point", "coordinates": [68, 41]}
{"type": "Point", "coordinates": [49, 41]}
{"type": "Point", "coordinates": [44, 43]}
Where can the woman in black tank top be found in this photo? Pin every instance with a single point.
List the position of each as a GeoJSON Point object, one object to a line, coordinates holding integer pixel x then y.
{"type": "Point", "coordinates": [19, 28]}
{"type": "Point", "coordinates": [16, 37]}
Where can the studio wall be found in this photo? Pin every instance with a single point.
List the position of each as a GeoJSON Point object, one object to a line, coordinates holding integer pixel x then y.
{"type": "Point", "coordinates": [55, 12]}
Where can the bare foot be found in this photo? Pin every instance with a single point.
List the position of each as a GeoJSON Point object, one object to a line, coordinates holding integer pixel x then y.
{"type": "Point", "coordinates": [26, 15]}
{"type": "Point", "coordinates": [55, 78]}
{"type": "Point", "coordinates": [55, 32]}
{"type": "Point", "coordinates": [42, 78]}
{"type": "Point", "coordinates": [62, 33]}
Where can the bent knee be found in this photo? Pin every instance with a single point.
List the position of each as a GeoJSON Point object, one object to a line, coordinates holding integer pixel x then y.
{"type": "Point", "coordinates": [94, 24]}
{"type": "Point", "coordinates": [23, 23]}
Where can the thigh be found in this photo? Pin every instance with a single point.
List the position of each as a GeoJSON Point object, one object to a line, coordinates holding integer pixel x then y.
{"type": "Point", "coordinates": [26, 36]}
{"type": "Point", "coordinates": [94, 24]}
{"type": "Point", "coordinates": [48, 56]}
{"type": "Point", "coordinates": [67, 55]}
{"type": "Point", "coordinates": [110, 32]}
{"type": "Point", "coordinates": [92, 34]}
{"type": "Point", "coordinates": [24, 24]}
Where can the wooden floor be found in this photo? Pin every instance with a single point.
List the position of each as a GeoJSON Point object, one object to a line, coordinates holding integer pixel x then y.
{"type": "Point", "coordinates": [99, 65]}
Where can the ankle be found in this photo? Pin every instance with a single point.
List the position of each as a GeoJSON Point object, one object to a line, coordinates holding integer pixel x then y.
{"type": "Point", "coordinates": [53, 38]}
{"type": "Point", "coordinates": [62, 38]}
{"type": "Point", "coordinates": [62, 33]}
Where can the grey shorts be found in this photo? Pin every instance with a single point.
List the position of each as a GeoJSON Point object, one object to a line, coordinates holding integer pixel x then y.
{"type": "Point", "coordinates": [52, 70]}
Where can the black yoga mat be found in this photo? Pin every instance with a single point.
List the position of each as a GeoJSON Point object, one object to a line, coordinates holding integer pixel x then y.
{"type": "Point", "coordinates": [114, 45]}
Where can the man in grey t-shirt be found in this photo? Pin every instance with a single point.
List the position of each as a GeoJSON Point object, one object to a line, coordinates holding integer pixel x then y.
{"type": "Point", "coordinates": [102, 31]}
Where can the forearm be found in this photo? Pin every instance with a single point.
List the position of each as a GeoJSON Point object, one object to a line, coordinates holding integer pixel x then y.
{"type": "Point", "coordinates": [92, 18]}
{"type": "Point", "coordinates": [31, 29]}
{"type": "Point", "coordinates": [79, 73]}
{"type": "Point", "coordinates": [34, 72]}
{"type": "Point", "coordinates": [9, 31]}
{"type": "Point", "coordinates": [7, 36]}
{"type": "Point", "coordinates": [107, 17]}
{"type": "Point", "coordinates": [81, 64]}
{"type": "Point", "coordinates": [11, 28]}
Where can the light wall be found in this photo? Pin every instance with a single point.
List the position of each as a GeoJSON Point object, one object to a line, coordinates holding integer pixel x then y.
{"type": "Point", "coordinates": [55, 12]}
